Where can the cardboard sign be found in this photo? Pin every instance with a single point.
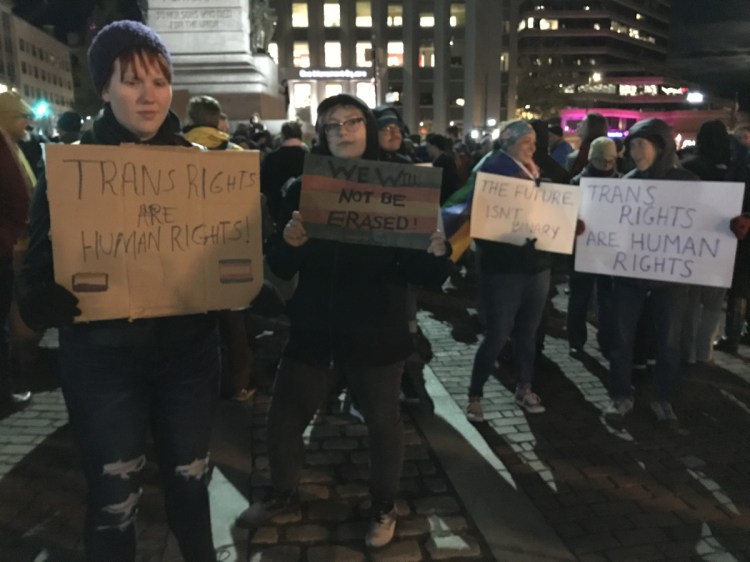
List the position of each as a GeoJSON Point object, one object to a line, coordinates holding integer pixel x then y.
{"type": "Point", "coordinates": [656, 229]}
{"type": "Point", "coordinates": [370, 202]}
{"type": "Point", "coordinates": [154, 231]}
{"type": "Point", "coordinates": [513, 210]}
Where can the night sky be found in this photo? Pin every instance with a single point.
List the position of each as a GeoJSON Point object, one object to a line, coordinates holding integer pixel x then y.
{"type": "Point", "coordinates": [710, 43]}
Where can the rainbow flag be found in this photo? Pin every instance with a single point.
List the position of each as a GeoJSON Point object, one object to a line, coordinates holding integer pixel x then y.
{"type": "Point", "coordinates": [456, 213]}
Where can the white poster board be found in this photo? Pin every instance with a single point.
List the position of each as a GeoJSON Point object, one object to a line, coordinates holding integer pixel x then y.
{"type": "Point", "coordinates": [513, 210]}
{"type": "Point", "coordinates": [663, 230]}
{"type": "Point", "coordinates": [154, 231]}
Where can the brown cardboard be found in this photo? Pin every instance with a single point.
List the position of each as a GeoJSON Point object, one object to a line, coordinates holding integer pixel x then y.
{"type": "Point", "coordinates": [155, 231]}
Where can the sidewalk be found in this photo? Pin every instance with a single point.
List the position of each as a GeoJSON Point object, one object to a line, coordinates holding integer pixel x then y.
{"type": "Point", "coordinates": [559, 486]}
{"type": "Point", "coordinates": [629, 492]}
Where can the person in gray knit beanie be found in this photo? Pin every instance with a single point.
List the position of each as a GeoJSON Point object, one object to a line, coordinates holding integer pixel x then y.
{"type": "Point", "coordinates": [512, 131]}
{"type": "Point", "coordinates": [117, 38]}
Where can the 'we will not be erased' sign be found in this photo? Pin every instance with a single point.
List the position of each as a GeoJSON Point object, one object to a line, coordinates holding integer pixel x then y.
{"type": "Point", "coordinates": [370, 202]}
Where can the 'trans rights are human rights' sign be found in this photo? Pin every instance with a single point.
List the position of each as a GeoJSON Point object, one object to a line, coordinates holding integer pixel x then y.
{"type": "Point", "coordinates": [663, 230]}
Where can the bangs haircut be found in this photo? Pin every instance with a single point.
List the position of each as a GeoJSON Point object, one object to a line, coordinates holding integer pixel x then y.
{"type": "Point", "coordinates": [147, 58]}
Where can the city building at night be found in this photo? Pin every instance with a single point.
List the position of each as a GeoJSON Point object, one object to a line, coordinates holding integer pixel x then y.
{"type": "Point", "coordinates": [476, 63]}
{"type": "Point", "coordinates": [35, 64]}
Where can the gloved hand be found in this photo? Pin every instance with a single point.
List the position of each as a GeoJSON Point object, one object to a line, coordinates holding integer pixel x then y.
{"type": "Point", "coordinates": [740, 225]}
{"type": "Point", "coordinates": [48, 305]}
{"type": "Point", "coordinates": [580, 227]}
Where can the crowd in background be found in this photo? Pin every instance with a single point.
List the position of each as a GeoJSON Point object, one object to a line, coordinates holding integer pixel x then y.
{"type": "Point", "coordinates": [352, 308]}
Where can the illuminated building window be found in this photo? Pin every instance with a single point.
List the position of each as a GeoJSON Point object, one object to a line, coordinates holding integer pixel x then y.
{"type": "Point", "coordinates": [395, 15]}
{"type": "Point", "coordinates": [363, 53]}
{"type": "Point", "coordinates": [458, 15]}
{"type": "Point", "coordinates": [547, 25]}
{"type": "Point", "coordinates": [332, 54]}
{"type": "Point", "coordinates": [366, 92]}
{"type": "Point", "coordinates": [426, 20]}
{"type": "Point", "coordinates": [363, 14]}
{"type": "Point", "coordinates": [299, 14]}
{"type": "Point", "coordinates": [395, 53]}
{"type": "Point", "coordinates": [301, 54]}
{"type": "Point", "coordinates": [333, 89]}
{"type": "Point", "coordinates": [426, 55]}
{"type": "Point", "coordinates": [273, 51]}
{"type": "Point", "coordinates": [302, 95]}
{"type": "Point", "coordinates": [331, 15]}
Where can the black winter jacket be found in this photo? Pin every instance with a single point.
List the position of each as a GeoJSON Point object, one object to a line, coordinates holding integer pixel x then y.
{"type": "Point", "coordinates": [38, 266]}
{"type": "Point", "coordinates": [350, 302]}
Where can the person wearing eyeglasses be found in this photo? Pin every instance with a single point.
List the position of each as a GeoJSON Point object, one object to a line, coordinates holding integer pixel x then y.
{"type": "Point", "coordinates": [602, 164]}
{"type": "Point", "coordinates": [390, 135]}
{"type": "Point", "coordinates": [348, 321]}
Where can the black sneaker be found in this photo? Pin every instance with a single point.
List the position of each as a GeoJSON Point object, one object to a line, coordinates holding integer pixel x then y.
{"type": "Point", "coordinates": [726, 346]}
{"type": "Point", "coordinates": [271, 504]}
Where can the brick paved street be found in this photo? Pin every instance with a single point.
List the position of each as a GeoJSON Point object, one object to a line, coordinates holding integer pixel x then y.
{"type": "Point", "coordinates": [562, 485]}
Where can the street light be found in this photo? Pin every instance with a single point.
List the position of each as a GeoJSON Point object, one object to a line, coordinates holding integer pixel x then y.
{"type": "Point", "coordinates": [41, 109]}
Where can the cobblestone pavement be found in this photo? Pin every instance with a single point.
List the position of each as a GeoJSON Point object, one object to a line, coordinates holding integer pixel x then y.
{"type": "Point", "coordinates": [633, 491]}
{"type": "Point", "coordinates": [628, 492]}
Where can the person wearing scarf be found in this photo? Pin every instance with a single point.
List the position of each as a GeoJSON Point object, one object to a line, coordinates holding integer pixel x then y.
{"type": "Point", "coordinates": [514, 282]}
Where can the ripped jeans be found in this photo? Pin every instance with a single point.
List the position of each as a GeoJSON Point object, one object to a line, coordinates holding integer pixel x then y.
{"type": "Point", "coordinates": [114, 395]}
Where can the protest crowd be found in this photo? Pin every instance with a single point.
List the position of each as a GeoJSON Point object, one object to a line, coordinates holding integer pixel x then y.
{"type": "Point", "coordinates": [350, 303]}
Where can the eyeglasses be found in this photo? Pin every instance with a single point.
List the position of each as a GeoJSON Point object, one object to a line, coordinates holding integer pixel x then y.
{"type": "Point", "coordinates": [391, 129]}
{"type": "Point", "coordinates": [350, 125]}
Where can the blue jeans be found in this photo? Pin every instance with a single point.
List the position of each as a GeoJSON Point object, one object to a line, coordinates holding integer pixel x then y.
{"type": "Point", "coordinates": [114, 395]}
{"type": "Point", "coordinates": [298, 392]}
{"type": "Point", "coordinates": [667, 307]}
{"type": "Point", "coordinates": [512, 302]}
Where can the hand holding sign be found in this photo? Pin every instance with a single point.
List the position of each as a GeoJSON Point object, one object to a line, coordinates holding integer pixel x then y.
{"type": "Point", "coordinates": [294, 232]}
{"type": "Point", "coordinates": [437, 244]}
{"type": "Point", "coordinates": [740, 226]}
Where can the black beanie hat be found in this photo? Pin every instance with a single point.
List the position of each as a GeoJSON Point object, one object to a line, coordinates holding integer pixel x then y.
{"type": "Point", "coordinates": [371, 150]}
{"type": "Point", "coordinates": [116, 38]}
{"type": "Point", "coordinates": [70, 121]}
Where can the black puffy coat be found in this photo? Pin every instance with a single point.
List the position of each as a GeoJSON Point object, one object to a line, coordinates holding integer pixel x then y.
{"type": "Point", "coordinates": [350, 301]}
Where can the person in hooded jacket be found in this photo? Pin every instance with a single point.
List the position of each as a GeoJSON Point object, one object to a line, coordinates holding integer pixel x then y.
{"type": "Point", "coordinates": [348, 318]}
{"type": "Point", "coordinates": [122, 378]}
{"type": "Point", "coordinates": [704, 310]}
{"type": "Point", "coordinates": [602, 164]}
{"type": "Point", "coordinates": [739, 292]}
{"type": "Point", "coordinates": [391, 135]}
{"type": "Point", "coordinates": [652, 148]}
